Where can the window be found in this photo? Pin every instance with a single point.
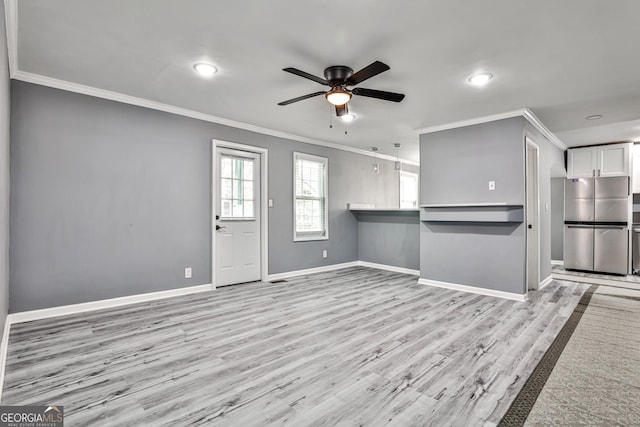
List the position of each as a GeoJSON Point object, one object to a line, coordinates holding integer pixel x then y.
{"type": "Point", "coordinates": [310, 197]}
{"type": "Point", "coordinates": [408, 190]}
{"type": "Point", "coordinates": [236, 187]}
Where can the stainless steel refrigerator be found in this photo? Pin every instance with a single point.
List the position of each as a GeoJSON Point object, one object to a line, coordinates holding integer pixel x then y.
{"type": "Point", "coordinates": [596, 224]}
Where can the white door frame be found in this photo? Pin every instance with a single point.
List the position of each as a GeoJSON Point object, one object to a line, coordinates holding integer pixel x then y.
{"type": "Point", "coordinates": [264, 210]}
{"type": "Point", "coordinates": [529, 143]}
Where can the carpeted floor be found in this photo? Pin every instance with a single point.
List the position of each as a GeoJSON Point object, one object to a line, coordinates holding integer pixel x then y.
{"type": "Point", "coordinates": [591, 374]}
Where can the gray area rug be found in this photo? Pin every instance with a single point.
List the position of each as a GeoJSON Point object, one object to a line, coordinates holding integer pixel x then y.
{"type": "Point", "coordinates": [590, 376]}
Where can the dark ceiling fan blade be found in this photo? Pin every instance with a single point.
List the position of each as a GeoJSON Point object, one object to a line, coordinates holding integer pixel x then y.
{"type": "Point", "coordinates": [306, 75]}
{"type": "Point", "coordinates": [380, 94]}
{"type": "Point", "coordinates": [367, 72]}
{"type": "Point", "coordinates": [341, 110]}
{"type": "Point", "coordinates": [300, 98]}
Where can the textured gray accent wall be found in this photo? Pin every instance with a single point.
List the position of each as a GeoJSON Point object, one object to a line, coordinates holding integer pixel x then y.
{"type": "Point", "coordinates": [557, 219]}
{"type": "Point", "coordinates": [389, 239]}
{"type": "Point", "coordinates": [4, 171]}
{"type": "Point", "coordinates": [110, 199]}
{"type": "Point", "coordinates": [455, 167]}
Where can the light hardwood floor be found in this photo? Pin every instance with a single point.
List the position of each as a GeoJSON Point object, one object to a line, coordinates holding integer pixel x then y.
{"type": "Point", "coordinates": [357, 346]}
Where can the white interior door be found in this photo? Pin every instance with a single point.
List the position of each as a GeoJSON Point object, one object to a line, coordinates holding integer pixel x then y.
{"type": "Point", "coordinates": [237, 217]}
{"type": "Point", "coordinates": [532, 214]}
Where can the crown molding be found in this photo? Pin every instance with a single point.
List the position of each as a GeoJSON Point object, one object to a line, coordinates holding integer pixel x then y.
{"type": "Point", "coordinates": [146, 103]}
{"type": "Point", "coordinates": [537, 123]}
{"type": "Point", "coordinates": [523, 112]}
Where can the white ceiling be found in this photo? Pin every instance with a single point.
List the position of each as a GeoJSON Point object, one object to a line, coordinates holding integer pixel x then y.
{"type": "Point", "coordinates": [564, 60]}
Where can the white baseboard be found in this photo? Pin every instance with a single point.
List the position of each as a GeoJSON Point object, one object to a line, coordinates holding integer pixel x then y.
{"type": "Point", "coordinates": [557, 262]}
{"type": "Point", "coordinates": [545, 282]}
{"type": "Point", "coordinates": [287, 274]}
{"type": "Point", "coordinates": [389, 268]}
{"type": "Point", "coordinates": [473, 289]}
{"type": "Point", "coordinates": [45, 313]}
{"type": "Point", "coordinates": [323, 269]}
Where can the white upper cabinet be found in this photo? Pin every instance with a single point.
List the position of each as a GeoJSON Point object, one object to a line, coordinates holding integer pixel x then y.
{"type": "Point", "coordinates": [581, 162]}
{"type": "Point", "coordinates": [601, 160]}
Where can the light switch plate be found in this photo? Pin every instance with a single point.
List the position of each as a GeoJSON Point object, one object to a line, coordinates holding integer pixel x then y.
{"type": "Point", "coordinates": [492, 185]}
{"type": "Point", "coordinates": [270, 203]}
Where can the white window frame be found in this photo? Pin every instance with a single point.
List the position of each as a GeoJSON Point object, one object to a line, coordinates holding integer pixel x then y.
{"type": "Point", "coordinates": [417, 178]}
{"type": "Point", "coordinates": [309, 236]}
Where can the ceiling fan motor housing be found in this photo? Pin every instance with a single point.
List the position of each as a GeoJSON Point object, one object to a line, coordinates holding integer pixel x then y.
{"type": "Point", "coordinates": [337, 75]}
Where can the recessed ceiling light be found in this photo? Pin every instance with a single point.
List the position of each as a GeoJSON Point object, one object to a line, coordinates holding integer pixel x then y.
{"type": "Point", "coordinates": [348, 117]}
{"type": "Point", "coordinates": [480, 79]}
{"type": "Point", "coordinates": [594, 117]}
{"type": "Point", "coordinates": [206, 70]}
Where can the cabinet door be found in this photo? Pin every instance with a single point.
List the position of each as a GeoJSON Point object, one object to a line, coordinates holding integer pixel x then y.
{"type": "Point", "coordinates": [581, 162]}
{"type": "Point", "coordinates": [614, 160]}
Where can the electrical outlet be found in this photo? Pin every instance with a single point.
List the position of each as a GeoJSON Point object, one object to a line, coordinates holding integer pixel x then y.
{"type": "Point", "coordinates": [270, 203]}
{"type": "Point", "coordinates": [324, 253]}
{"type": "Point", "coordinates": [187, 273]}
{"type": "Point", "coordinates": [492, 185]}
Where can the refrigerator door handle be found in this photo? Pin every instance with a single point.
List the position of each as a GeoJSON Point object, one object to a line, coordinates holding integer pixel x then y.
{"type": "Point", "coordinates": [579, 226]}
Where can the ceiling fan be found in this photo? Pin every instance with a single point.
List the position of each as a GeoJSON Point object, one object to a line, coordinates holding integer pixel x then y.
{"type": "Point", "coordinates": [338, 77]}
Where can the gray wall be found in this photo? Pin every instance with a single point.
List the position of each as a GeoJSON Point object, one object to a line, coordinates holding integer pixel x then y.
{"type": "Point", "coordinates": [110, 199]}
{"type": "Point", "coordinates": [557, 219]}
{"type": "Point", "coordinates": [390, 239]}
{"type": "Point", "coordinates": [550, 165]}
{"type": "Point", "coordinates": [4, 172]}
{"type": "Point", "coordinates": [455, 167]}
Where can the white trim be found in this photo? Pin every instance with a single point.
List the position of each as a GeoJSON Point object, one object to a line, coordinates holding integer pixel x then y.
{"type": "Point", "coordinates": [264, 203]}
{"type": "Point", "coordinates": [65, 310]}
{"type": "Point", "coordinates": [594, 280]}
{"type": "Point", "coordinates": [464, 205]}
{"type": "Point", "coordinates": [323, 269]}
{"type": "Point", "coordinates": [11, 26]}
{"type": "Point", "coordinates": [523, 112]}
{"type": "Point", "coordinates": [473, 289]}
{"type": "Point", "coordinates": [557, 262]}
{"type": "Point", "coordinates": [389, 268]}
{"type": "Point", "coordinates": [309, 236]}
{"type": "Point", "coordinates": [4, 348]}
{"type": "Point", "coordinates": [537, 123]}
{"type": "Point", "coordinates": [545, 282]}
{"type": "Point", "coordinates": [529, 143]}
{"type": "Point", "coordinates": [154, 105]}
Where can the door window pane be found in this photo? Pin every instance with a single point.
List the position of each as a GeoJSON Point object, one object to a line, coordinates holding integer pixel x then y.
{"type": "Point", "coordinates": [237, 187]}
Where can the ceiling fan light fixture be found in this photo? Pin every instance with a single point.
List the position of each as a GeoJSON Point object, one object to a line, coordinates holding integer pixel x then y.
{"type": "Point", "coordinates": [349, 117]}
{"type": "Point", "coordinates": [204, 69]}
{"type": "Point", "coordinates": [338, 96]}
{"type": "Point", "coordinates": [480, 79]}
